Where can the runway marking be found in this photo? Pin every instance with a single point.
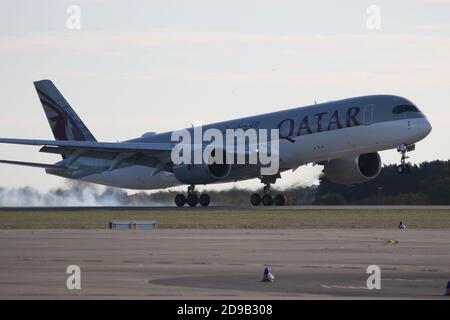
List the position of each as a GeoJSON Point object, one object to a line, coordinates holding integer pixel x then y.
{"type": "Point", "coordinates": [430, 270]}
{"type": "Point", "coordinates": [408, 280]}
{"type": "Point", "coordinates": [342, 287]}
{"type": "Point", "coordinates": [391, 242]}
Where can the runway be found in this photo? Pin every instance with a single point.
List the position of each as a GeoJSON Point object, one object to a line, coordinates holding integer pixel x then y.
{"type": "Point", "coordinates": [197, 264]}
{"type": "Point", "coordinates": [228, 207]}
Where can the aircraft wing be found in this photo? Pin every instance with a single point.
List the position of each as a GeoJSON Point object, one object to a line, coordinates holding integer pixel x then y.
{"type": "Point", "coordinates": [113, 147]}
{"type": "Point", "coordinates": [33, 164]}
{"type": "Point", "coordinates": [156, 154]}
{"type": "Point", "coordinates": [52, 146]}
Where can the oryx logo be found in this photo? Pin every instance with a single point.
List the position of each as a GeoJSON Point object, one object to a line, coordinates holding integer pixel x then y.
{"type": "Point", "coordinates": [63, 127]}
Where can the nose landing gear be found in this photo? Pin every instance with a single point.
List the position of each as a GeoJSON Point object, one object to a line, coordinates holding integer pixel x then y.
{"type": "Point", "coordinates": [267, 199]}
{"type": "Point", "coordinates": [404, 167]}
{"type": "Point", "coordinates": [192, 198]}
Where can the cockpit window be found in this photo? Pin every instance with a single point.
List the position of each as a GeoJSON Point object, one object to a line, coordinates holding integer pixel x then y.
{"type": "Point", "coordinates": [405, 108]}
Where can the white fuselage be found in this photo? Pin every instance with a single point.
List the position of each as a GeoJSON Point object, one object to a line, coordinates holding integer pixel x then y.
{"type": "Point", "coordinates": [311, 148]}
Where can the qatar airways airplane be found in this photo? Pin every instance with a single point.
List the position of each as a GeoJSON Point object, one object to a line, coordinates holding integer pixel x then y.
{"type": "Point", "coordinates": [344, 136]}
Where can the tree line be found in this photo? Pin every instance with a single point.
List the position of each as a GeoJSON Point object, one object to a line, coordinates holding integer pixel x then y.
{"type": "Point", "coordinates": [427, 184]}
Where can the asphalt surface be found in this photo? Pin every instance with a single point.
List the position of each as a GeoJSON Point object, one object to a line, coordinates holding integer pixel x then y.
{"type": "Point", "coordinates": [214, 264]}
{"type": "Point", "coordinates": [230, 207]}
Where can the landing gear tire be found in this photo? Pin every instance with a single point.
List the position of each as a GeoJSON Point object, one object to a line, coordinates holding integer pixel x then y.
{"type": "Point", "coordinates": [267, 200]}
{"type": "Point", "coordinates": [180, 200]}
{"type": "Point", "coordinates": [204, 200]}
{"type": "Point", "coordinates": [192, 200]}
{"type": "Point", "coordinates": [255, 199]}
{"type": "Point", "coordinates": [280, 199]}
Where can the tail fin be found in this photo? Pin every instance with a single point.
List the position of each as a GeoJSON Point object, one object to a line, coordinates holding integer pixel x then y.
{"type": "Point", "coordinates": [63, 121]}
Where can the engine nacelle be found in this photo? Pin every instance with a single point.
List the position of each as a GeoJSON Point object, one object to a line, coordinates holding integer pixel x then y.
{"type": "Point", "coordinates": [353, 170]}
{"type": "Point", "coordinates": [201, 173]}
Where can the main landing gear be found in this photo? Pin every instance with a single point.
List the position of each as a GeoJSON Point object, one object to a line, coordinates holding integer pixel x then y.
{"type": "Point", "coordinates": [192, 198]}
{"type": "Point", "coordinates": [266, 199]}
{"type": "Point", "coordinates": [404, 167]}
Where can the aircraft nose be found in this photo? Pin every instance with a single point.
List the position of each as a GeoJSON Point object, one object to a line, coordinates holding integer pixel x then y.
{"type": "Point", "coordinates": [425, 127]}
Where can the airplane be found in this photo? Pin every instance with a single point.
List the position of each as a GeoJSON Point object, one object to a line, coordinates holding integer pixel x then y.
{"type": "Point", "coordinates": [344, 136]}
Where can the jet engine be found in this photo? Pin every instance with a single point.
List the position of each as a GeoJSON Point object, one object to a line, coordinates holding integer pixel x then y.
{"type": "Point", "coordinates": [353, 170]}
{"type": "Point", "coordinates": [205, 172]}
{"type": "Point", "coordinates": [201, 173]}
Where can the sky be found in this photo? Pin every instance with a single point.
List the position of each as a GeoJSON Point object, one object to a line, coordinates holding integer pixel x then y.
{"type": "Point", "coordinates": [139, 66]}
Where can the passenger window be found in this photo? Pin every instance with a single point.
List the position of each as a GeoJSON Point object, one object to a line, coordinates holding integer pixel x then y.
{"type": "Point", "coordinates": [404, 108]}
